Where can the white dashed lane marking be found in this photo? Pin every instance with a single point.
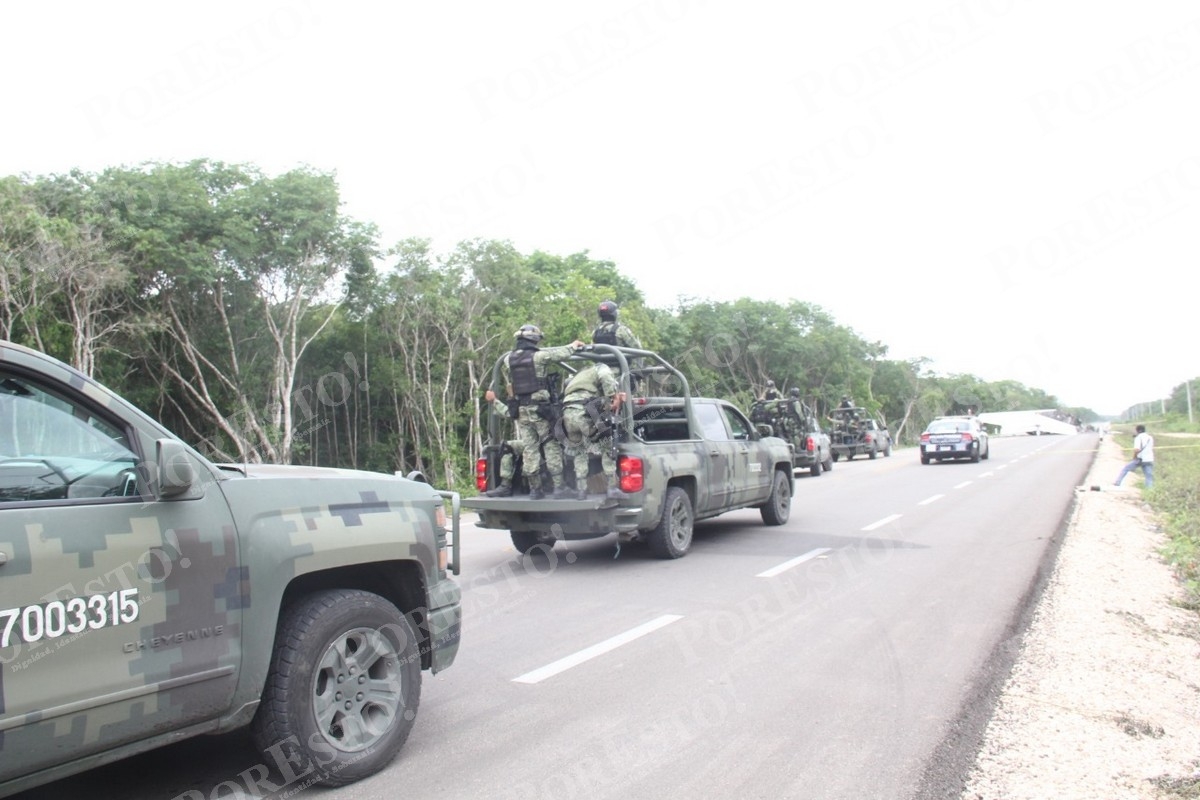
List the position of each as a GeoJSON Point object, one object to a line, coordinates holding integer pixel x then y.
{"type": "Point", "coordinates": [882, 522]}
{"type": "Point", "coordinates": [587, 654]}
{"type": "Point", "coordinates": [785, 566]}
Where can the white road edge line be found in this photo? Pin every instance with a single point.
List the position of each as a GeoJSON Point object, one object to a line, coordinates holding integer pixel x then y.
{"type": "Point", "coordinates": [963, 485]}
{"type": "Point", "coordinates": [882, 522]}
{"type": "Point", "coordinates": [587, 654]}
{"type": "Point", "coordinates": [929, 500]}
{"type": "Point", "coordinates": [785, 566]}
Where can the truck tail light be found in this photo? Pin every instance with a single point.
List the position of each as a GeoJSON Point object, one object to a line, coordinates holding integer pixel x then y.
{"type": "Point", "coordinates": [481, 474]}
{"type": "Point", "coordinates": [810, 445]}
{"type": "Point", "coordinates": [967, 438]}
{"type": "Point", "coordinates": [924, 438]}
{"type": "Point", "coordinates": [630, 477]}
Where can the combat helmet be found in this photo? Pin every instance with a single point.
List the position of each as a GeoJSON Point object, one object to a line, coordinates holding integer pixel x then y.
{"type": "Point", "coordinates": [530, 333]}
{"type": "Point", "coordinates": [607, 311]}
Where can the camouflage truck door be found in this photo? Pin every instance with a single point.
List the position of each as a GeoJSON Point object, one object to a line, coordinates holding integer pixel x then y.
{"type": "Point", "coordinates": [118, 613]}
{"type": "Point", "coordinates": [731, 473]}
{"type": "Point", "coordinates": [754, 478]}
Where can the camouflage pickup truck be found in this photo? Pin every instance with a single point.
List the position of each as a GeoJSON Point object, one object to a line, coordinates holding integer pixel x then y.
{"type": "Point", "coordinates": [792, 420]}
{"type": "Point", "coordinates": [679, 459]}
{"type": "Point", "coordinates": [148, 595]}
{"type": "Point", "coordinates": [856, 433]}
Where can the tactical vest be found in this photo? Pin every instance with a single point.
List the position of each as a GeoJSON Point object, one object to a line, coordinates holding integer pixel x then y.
{"type": "Point", "coordinates": [605, 333]}
{"type": "Point", "coordinates": [525, 379]}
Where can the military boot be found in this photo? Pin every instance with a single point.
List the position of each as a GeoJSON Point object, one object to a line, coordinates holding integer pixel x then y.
{"type": "Point", "coordinates": [503, 490]}
{"type": "Point", "coordinates": [536, 493]}
{"type": "Point", "coordinates": [563, 493]}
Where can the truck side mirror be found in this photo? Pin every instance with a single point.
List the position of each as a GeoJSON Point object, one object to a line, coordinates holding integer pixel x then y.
{"type": "Point", "coordinates": [176, 473]}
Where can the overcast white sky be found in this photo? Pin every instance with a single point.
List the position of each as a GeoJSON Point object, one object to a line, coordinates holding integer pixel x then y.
{"type": "Point", "coordinates": [1006, 187]}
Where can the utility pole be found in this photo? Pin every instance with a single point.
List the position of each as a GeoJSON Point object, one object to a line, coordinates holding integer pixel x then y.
{"type": "Point", "coordinates": [1188, 384]}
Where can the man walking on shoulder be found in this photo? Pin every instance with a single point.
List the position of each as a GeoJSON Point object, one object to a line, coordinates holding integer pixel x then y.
{"type": "Point", "coordinates": [1143, 456]}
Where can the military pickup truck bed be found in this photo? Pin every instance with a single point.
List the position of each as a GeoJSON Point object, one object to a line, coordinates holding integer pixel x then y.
{"type": "Point", "coordinates": [793, 421]}
{"type": "Point", "coordinates": [679, 459]}
{"type": "Point", "coordinates": [856, 433]}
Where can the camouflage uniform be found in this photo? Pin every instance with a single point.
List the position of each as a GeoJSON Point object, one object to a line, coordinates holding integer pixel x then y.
{"type": "Point", "coordinates": [589, 394]}
{"type": "Point", "coordinates": [513, 449]}
{"type": "Point", "coordinates": [534, 425]}
{"type": "Point", "coordinates": [613, 332]}
{"type": "Point", "coordinates": [617, 334]}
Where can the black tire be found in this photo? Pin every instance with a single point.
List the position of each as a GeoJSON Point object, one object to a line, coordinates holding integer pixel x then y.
{"type": "Point", "coordinates": [835, 455]}
{"type": "Point", "coordinates": [672, 537]}
{"type": "Point", "coordinates": [828, 463]}
{"type": "Point", "coordinates": [326, 642]}
{"type": "Point", "coordinates": [975, 454]}
{"type": "Point", "coordinates": [816, 469]}
{"type": "Point", "coordinates": [924, 459]}
{"type": "Point", "coordinates": [778, 507]}
{"type": "Point", "coordinates": [988, 452]}
{"type": "Point", "coordinates": [873, 452]}
{"type": "Point", "coordinates": [526, 541]}
{"type": "Point", "coordinates": [887, 451]}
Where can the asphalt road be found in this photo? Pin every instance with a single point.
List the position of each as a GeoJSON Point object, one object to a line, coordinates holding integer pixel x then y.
{"type": "Point", "coordinates": [851, 653]}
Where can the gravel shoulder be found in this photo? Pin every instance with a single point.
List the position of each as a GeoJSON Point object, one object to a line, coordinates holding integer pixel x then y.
{"type": "Point", "coordinates": [1104, 698]}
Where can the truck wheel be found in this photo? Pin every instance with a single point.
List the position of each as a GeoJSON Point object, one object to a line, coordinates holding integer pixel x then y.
{"type": "Point", "coordinates": [874, 451]}
{"type": "Point", "coordinates": [525, 541]}
{"type": "Point", "coordinates": [816, 469]}
{"type": "Point", "coordinates": [672, 537]}
{"type": "Point", "coordinates": [342, 691]}
{"type": "Point", "coordinates": [778, 507]}
{"type": "Point", "coordinates": [887, 451]}
{"type": "Point", "coordinates": [835, 455]}
{"type": "Point", "coordinates": [828, 463]}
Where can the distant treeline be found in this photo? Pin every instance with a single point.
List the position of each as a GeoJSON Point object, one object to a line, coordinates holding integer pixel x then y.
{"type": "Point", "coordinates": [254, 319]}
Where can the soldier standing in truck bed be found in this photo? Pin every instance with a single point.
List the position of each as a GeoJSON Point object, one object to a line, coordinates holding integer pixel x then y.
{"type": "Point", "coordinates": [525, 371]}
{"type": "Point", "coordinates": [592, 393]}
{"type": "Point", "coordinates": [610, 331]}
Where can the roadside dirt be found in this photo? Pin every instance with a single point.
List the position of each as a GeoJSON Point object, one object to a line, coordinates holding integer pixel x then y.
{"type": "Point", "coordinates": [1104, 700]}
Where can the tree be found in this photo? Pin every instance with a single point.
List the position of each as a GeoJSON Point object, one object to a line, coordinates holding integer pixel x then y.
{"type": "Point", "coordinates": [238, 273]}
{"type": "Point", "coordinates": [25, 285]}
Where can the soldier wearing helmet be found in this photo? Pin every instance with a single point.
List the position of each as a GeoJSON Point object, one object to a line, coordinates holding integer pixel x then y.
{"type": "Point", "coordinates": [526, 376]}
{"type": "Point", "coordinates": [795, 404]}
{"type": "Point", "coordinates": [610, 331]}
{"type": "Point", "coordinates": [771, 393]}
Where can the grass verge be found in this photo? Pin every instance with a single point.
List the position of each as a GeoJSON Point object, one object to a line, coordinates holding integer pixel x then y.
{"type": "Point", "coordinates": [1175, 498]}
